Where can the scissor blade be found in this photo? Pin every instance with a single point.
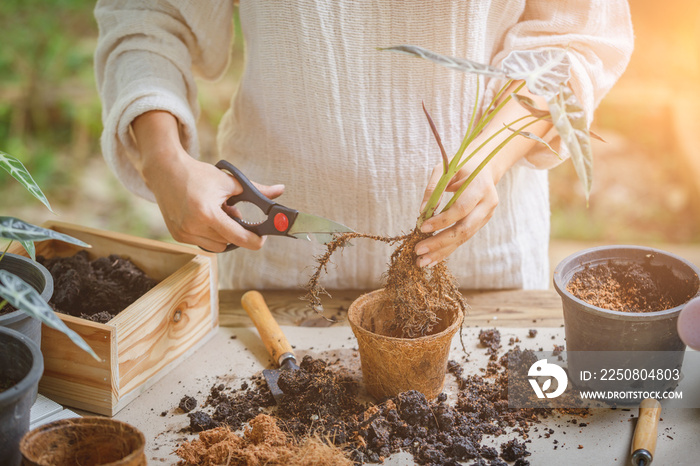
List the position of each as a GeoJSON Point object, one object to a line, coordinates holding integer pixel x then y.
{"type": "Point", "coordinates": [306, 226]}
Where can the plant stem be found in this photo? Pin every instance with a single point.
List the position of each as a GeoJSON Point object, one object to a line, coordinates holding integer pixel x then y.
{"type": "Point", "coordinates": [472, 132]}
{"type": "Point", "coordinates": [488, 158]}
{"type": "Point", "coordinates": [4, 252]}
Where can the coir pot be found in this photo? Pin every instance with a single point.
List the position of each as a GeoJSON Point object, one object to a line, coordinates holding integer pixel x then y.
{"type": "Point", "coordinates": [393, 365]}
{"type": "Point", "coordinates": [92, 440]}
{"type": "Point", "coordinates": [21, 365]}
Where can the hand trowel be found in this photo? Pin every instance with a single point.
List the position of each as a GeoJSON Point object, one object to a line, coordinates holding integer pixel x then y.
{"type": "Point", "coordinates": [271, 334]}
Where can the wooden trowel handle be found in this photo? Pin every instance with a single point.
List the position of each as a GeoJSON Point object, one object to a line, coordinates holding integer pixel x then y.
{"type": "Point", "coordinates": [647, 426]}
{"type": "Point", "coordinates": [270, 332]}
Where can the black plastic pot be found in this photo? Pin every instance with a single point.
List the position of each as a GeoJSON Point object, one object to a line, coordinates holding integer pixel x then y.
{"type": "Point", "coordinates": [21, 361]}
{"type": "Point", "coordinates": [38, 278]}
{"type": "Point", "coordinates": [591, 328]}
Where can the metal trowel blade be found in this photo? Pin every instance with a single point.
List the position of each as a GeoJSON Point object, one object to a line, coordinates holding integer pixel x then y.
{"type": "Point", "coordinates": [273, 375]}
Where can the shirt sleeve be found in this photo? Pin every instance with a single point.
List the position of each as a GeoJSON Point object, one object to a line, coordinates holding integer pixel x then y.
{"type": "Point", "coordinates": [598, 35]}
{"type": "Point", "coordinates": [147, 55]}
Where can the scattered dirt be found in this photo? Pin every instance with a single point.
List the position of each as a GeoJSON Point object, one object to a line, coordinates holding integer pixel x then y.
{"type": "Point", "coordinates": [321, 401]}
{"type": "Point", "coordinates": [418, 294]}
{"type": "Point", "coordinates": [627, 287]}
{"type": "Point", "coordinates": [96, 290]}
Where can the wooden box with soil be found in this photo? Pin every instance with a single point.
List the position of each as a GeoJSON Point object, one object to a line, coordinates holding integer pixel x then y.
{"type": "Point", "coordinates": [144, 340]}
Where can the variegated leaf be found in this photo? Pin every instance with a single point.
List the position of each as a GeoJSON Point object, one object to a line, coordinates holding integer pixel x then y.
{"type": "Point", "coordinates": [531, 106]}
{"type": "Point", "coordinates": [17, 170]}
{"type": "Point", "coordinates": [534, 137]}
{"type": "Point", "coordinates": [542, 70]}
{"type": "Point", "coordinates": [25, 298]}
{"type": "Point", "coordinates": [29, 247]}
{"type": "Point", "coordinates": [16, 229]}
{"type": "Point", "coordinates": [596, 136]}
{"type": "Point", "coordinates": [459, 64]}
{"type": "Point", "coordinates": [569, 119]}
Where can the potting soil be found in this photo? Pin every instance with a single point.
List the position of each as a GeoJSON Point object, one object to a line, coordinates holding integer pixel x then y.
{"type": "Point", "coordinates": [625, 286]}
{"type": "Point", "coordinates": [96, 290]}
{"type": "Point", "coordinates": [321, 400]}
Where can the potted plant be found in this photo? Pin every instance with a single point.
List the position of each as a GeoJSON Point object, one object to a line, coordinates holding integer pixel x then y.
{"type": "Point", "coordinates": [26, 286]}
{"type": "Point", "coordinates": [22, 282]}
{"type": "Point", "coordinates": [425, 302]}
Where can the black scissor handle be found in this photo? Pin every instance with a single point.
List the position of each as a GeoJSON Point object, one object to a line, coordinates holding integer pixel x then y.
{"type": "Point", "coordinates": [279, 218]}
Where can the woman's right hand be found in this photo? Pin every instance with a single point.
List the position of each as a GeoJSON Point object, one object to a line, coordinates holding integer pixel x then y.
{"type": "Point", "coordinates": [191, 194]}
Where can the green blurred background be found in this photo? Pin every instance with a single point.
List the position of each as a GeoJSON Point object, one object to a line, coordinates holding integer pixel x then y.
{"type": "Point", "coordinates": [647, 174]}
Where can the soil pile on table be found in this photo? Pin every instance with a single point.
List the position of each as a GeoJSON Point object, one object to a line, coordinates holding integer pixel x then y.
{"type": "Point", "coordinates": [96, 290]}
{"type": "Point", "coordinates": [322, 402]}
{"type": "Point", "coordinates": [263, 443]}
{"type": "Point", "coordinates": [627, 287]}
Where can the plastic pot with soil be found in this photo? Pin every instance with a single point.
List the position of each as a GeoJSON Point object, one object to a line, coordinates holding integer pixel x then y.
{"type": "Point", "coordinates": [36, 276]}
{"type": "Point", "coordinates": [392, 364]}
{"type": "Point", "coordinates": [625, 298]}
{"type": "Point", "coordinates": [21, 366]}
{"type": "Point", "coordinates": [86, 440]}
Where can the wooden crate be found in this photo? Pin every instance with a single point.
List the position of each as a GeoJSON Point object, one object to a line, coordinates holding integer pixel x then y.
{"type": "Point", "coordinates": [143, 342]}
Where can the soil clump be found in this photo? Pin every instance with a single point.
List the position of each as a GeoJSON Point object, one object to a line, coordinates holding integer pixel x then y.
{"type": "Point", "coordinates": [626, 286]}
{"type": "Point", "coordinates": [97, 289]}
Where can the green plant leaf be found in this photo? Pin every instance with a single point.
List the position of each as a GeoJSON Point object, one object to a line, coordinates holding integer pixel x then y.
{"type": "Point", "coordinates": [16, 229]}
{"type": "Point", "coordinates": [534, 137]}
{"type": "Point", "coordinates": [569, 119]}
{"type": "Point", "coordinates": [22, 296]}
{"type": "Point", "coordinates": [29, 247]}
{"type": "Point", "coordinates": [531, 106]}
{"type": "Point", "coordinates": [17, 170]}
{"type": "Point", "coordinates": [459, 64]}
{"type": "Point", "coordinates": [542, 70]}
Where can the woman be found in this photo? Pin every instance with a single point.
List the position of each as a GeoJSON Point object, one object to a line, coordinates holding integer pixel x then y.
{"type": "Point", "coordinates": [340, 123]}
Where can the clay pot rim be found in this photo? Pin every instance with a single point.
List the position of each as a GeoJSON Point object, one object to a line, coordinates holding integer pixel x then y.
{"type": "Point", "coordinates": [372, 295]}
{"type": "Point", "coordinates": [560, 286]}
{"type": "Point", "coordinates": [35, 371]}
{"type": "Point", "coordinates": [87, 421]}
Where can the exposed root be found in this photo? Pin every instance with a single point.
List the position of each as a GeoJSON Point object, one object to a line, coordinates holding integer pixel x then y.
{"type": "Point", "coordinates": [417, 294]}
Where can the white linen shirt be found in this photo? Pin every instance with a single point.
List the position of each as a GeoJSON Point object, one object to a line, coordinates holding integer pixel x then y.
{"type": "Point", "coordinates": [340, 123]}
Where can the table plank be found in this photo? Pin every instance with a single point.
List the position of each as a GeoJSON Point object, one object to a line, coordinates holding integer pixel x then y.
{"type": "Point", "coordinates": [507, 308]}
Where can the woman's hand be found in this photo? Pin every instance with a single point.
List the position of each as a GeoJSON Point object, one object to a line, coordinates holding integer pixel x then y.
{"type": "Point", "coordinates": [463, 219]}
{"type": "Point", "coordinates": [191, 194]}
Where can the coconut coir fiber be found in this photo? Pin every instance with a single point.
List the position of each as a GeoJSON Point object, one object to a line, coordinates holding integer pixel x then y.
{"type": "Point", "coordinates": [262, 443]}
{"type": "Point", "coordinates": [627, 287]}
{"type": "Point", "coordinates": [97, 289]}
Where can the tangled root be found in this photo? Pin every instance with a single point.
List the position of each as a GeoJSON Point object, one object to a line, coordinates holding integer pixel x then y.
{"type": "Point", "coordinates": [418, 294]}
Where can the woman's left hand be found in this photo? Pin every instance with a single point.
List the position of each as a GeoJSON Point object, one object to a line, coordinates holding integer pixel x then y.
{"type": "Point", "coordinates": [463, 219]}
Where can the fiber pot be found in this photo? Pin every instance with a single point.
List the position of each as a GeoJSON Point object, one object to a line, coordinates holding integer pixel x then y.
{"type": "Point", "coordinates": [393, 365]}
{"type": "Point", "coordinates": [591, 328]}
{"type": "Point", "coordinates": [87, 440]}
{"type": "Point", "coordinates": [20, 361]}
{"type": "Point", "coordinates": [35, 275]}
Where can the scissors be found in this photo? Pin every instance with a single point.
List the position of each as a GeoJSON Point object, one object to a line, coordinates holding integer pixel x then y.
{"type": "Point", "coordinates": [281, 220]}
